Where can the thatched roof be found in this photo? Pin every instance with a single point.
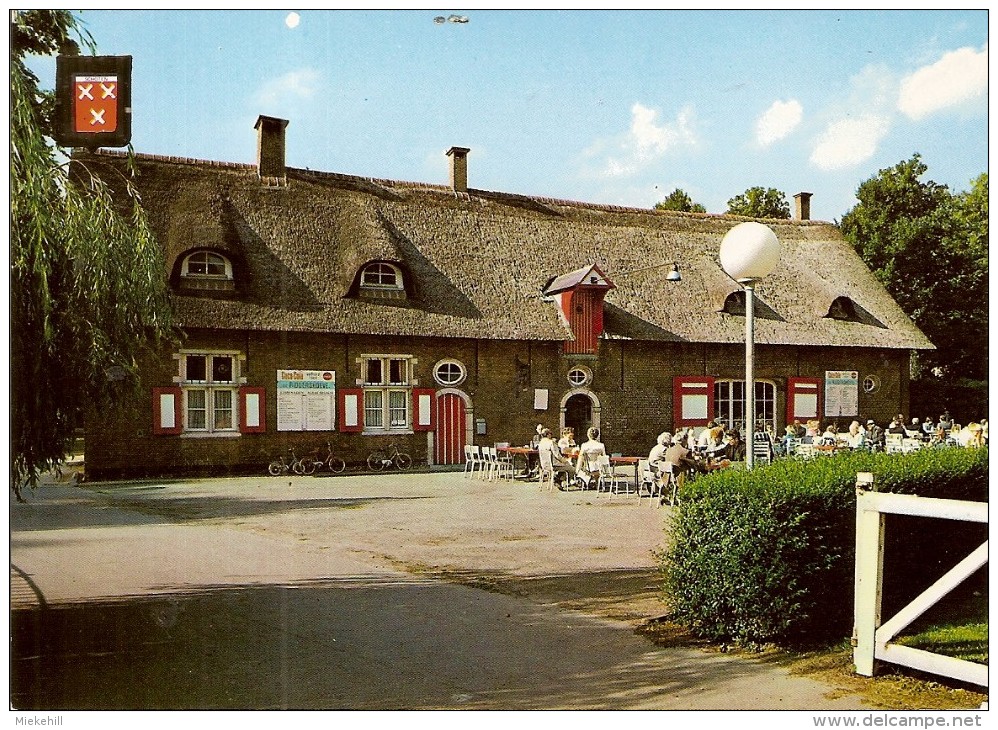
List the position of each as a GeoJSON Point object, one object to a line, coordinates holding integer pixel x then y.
{"type": "Point", "coordinates": [477, 262]}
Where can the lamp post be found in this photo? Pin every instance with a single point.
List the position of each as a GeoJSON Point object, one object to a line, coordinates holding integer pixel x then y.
{"type": "Point", "coordinates": [749, 253]}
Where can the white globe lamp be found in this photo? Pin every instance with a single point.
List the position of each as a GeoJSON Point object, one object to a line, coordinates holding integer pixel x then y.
{"type": "Point", "coordinates": [749, 252]}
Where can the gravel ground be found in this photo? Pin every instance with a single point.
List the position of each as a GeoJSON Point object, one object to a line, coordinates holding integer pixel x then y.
{"type": "Point", "coordinates": [414, 591]}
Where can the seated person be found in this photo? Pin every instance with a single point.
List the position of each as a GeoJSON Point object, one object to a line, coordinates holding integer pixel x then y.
{"type": "Point", "coordinates": [586, 466]}
{"type": "Point", "coordinates": [563, 470]}
{"type": "Point", "coordinates": [856, 439]}
{"type": "Point", "coordinates": [680, 457]}
{"type": "Point", "coordinates": [735, 450]}
{"type": "Point", "coordinates": [830, 436]}
{"type": "Point", "coordinates": [716, 444]}
{"type": "Point", "coordinates": [567, 441]}
{"type": "Point", "coordinates": [657, 454]}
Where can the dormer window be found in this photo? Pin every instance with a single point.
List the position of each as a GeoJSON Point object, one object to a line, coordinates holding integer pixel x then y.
{"type": "Point", "coordinates": [207, 270]}
{"type": "Point", "coordinates": [735, 303]}
{"type": "Point", "coordinates": [844, 309]}
{"type": "Point", "coordinates": [383, 280]}
{"type": "Point", "coordinates": [207, 264]}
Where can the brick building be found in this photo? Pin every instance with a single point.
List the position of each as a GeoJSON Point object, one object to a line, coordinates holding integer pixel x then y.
{"type": "Point", "coordinates": [323, 307]}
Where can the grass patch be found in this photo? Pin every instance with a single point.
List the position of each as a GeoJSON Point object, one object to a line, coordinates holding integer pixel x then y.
{"type": "Point", "coordinates": [955, 627]}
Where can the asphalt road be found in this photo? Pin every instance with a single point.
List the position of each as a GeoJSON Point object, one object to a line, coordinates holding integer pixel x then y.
{"type": "Point", "coordinates": [416, 591]}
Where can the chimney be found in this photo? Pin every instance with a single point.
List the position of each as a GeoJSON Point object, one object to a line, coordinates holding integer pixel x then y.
{"type": "Point", "coordinates": [803, 205]}
{"type": "Point", "coordinates": [270, 147]}
{"type": "Point", "coordinates": [459, 168]}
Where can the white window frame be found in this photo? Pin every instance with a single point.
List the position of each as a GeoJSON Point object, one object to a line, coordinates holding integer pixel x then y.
{"type": "Point", "coordinates": [386, 416]}
{"type": "Point", "coordinates": [450, 364]}
{"type": "Point", "coordinates": [188, 274]}
{"type": "Point", "coordinates": [379, 269]}
{"type": "Point", "coordinates": [765, 408]}
{"type": "Point", "coordinates": [587, 376]}
{"type": "Point", "coordinates": [213, 393]}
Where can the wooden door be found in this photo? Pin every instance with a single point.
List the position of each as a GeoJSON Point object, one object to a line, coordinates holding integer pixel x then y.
{"type": "Point", "coordinates": [450, 434]}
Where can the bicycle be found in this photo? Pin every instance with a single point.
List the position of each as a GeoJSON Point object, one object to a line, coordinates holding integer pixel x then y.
{"type": "Point", "coordinates": [332, 462]}
{"type": "Point", "coordinates": [290, 465]}
{"type": "Point", "coordinates": [312, 462]}
{"type": "Point", "coordinates": [391, 456]}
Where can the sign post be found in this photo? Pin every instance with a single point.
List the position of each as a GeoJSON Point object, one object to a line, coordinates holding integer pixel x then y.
{"type": "Point", "coordinates": [93, 101]}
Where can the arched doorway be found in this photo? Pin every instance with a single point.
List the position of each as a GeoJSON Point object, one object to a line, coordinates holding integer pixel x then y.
{"type": "Point", "coordinates": [580, 409]}
{"type": "Point", "coordinates": [453, 429]}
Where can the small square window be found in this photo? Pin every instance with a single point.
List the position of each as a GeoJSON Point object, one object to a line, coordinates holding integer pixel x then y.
{"type": "Point", "coordinates": [374, 372]}
{"type": "Point", "coordinates": [197, 368]}
{"type": "Point", "coordinates": [221, 369]}
{"type": "Point", "coordinates": [396, 372]}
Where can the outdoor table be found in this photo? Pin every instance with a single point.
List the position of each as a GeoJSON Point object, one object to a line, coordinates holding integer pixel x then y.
{"type": "Point", "coordinates": [525, 451]}
{"type": "Point", "coordinates": [635, 460]}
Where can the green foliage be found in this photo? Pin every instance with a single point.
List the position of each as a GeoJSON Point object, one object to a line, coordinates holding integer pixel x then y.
{"type": "Point", "coordinates": [680, 200]}
{"type": "Point", "coordinates": [767, 555]}
{"type": "Point", "coordinates": [929, 250]}
{"type": "Point", "coordinates": [758, 202]}
{"type": "Point", "coordinates": [87, 285]}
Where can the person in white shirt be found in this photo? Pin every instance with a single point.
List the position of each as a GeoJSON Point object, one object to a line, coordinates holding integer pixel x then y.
{"type": "Point", "coordinates": [856, 438]}
{"type": "Point", "coordinates": [588, 453]}
{"type": "Point", "coordinates": [559, 463]}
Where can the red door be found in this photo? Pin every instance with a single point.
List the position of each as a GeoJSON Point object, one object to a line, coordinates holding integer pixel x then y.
{"type": "Point", "coordinates": [449, 437]}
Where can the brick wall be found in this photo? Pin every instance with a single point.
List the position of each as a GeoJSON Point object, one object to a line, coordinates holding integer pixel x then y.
{"type": "Point", "coordinates": [633, 382]}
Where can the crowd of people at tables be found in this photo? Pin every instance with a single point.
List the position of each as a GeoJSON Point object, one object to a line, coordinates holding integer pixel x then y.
{"type": "Point", "coordinates": [716, 446]}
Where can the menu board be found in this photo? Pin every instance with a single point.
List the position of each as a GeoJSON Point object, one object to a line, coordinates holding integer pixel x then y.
{"type": "Point", "coordinates": [841, 393]}
{"type": "Point", "coordinates": [306, 400]}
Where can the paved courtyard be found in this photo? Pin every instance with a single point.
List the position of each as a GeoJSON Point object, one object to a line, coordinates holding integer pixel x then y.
{"type": "Point", "coordinates": [414, 591]}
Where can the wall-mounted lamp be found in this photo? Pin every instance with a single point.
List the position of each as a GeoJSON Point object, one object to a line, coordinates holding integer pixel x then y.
{"type": "Point", "coordinates": [673, 274]}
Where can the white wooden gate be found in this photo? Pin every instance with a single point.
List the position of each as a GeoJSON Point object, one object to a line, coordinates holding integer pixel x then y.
{"type": "Point", "coordinates": [871, 638]}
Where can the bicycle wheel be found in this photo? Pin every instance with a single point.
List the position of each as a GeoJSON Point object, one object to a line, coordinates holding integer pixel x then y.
{"type": "Point", "coordinates": [403, 461]}
{"type": "Point", "coordinates": [336, 464]}
{"type": "Point", "coordinates": [275, 468]}
{"type": "Point", "coordinates": [376, 461]}
{"type": "Point", "coordinates": [308, 466]}
{"type": "Point", "coordinates": [298, 467]}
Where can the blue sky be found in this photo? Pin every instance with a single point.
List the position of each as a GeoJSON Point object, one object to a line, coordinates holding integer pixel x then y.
{"type": "Point", "coordinates": [617, 107]}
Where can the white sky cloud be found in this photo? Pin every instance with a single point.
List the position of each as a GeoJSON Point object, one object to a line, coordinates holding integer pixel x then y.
{"type": "Point", "coordinates": [646, 141]}
{"type": "Point", "coordinates": [848, 142]}
{"type": "Point", "coordinates": [958, 76]}
{"type": "Point", "coordinates": [778, 121]}
{"type": "Point", "coordinates": [292, 86]}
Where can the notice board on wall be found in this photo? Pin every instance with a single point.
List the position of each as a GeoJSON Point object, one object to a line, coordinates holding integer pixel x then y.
{"type": "Point", "coordinates": [306, 400]}
{"type": "Point", "coordinates": [841, 393]}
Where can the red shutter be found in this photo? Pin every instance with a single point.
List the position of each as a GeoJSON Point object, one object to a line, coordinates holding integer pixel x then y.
{"type": "Point", "coordinates": [252, 410]}
{"type": "Point", "coordinates": [802, 393]}
{"type": "Point", "coordinates": [167, 411]}
{"type": "Point", "coordinates": [423, 412]}
{"type": "Point", "coordinates": [692, 401]}
{"type": "Point", "coordinates": [351, 409]}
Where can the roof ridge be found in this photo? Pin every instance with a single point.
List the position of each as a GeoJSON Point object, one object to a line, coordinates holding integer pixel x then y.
{"type": "Point", "coordinates": [446, 189]}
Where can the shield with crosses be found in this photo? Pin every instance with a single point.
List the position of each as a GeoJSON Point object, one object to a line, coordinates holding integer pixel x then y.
{"type": "Point", "coordinates": [93, 101]}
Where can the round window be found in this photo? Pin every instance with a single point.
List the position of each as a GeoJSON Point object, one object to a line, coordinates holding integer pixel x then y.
{"type": "Point", "coordinates": [871, 384]}
{"type": "Point", "coordinates": [449, 372]}
{"type": "Point", "coordinates": [579, 376]}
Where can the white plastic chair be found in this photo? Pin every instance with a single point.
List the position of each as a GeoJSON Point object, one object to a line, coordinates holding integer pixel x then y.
{"type": "Point", "coordinates": [761, 450]}
{"type": "Point", "coordinates": [608, 476]}
{"type": "Point", "coordinates": [546, 470]}
{"type": "Point", "coordinates": [669, 481]}
{"type": "Point", "coordinates": [503, 464]}
{"type": "Point", "coordinates": [805, 451]}
{"type": "Point", "coordinates": [646, 478]}
{"type": "Point", "coordinates": [893, 443]}
{"type": "Point", "coordinates": [471, 459]}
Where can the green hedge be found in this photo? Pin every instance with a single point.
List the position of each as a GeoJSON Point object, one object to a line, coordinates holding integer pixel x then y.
{"type": "Point", "coordinates": [767, 555]}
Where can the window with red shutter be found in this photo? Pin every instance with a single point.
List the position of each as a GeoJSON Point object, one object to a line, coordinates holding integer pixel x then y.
{"type": "Point", "coordinates": [167, 411]}
{"type": "Point", "coordinates": [692, 401]}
